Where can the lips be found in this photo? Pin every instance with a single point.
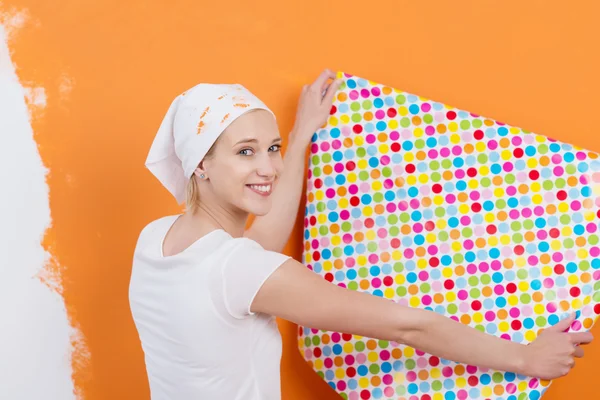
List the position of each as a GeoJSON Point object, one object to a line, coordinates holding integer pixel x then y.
{"type": "Point", "coordinates": [261, 189]}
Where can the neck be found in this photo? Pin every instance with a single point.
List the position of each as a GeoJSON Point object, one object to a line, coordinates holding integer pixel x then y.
{"type": "Point", "coordinates": [218, 218]}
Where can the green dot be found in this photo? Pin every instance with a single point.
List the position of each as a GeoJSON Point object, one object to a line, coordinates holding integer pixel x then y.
{"type": "Point", "coordinates": [356, 117]}
{"type": "Point", "coordinates": [316, 341]}
{"type": "Point", "coordinates": [497, 377]}
{"type": "Point", "coordinates": [410, 364]}
{"type": "Point", "coordinates": [486, 279]}
{"type": "Point", "coordinates": [425, 287]}
{"type": "Point", "coordinates": [400, 99]}
{"type": "Point", "coordinates": [401, 390]}
{"type": "Point", "coordinates": [565, 219]}
{"type": "Point", "coordinates": [473, 281]}
{"type": "Point", "coordinates": [560, 183]}
{"type": "Point", "coordinates": [321, 374]}
{"type": "Point", "coordinates": [436, 385]}
{"type": "Point", "coordinates": [434, 165]}
{"type": "Point", "coordinates": [584, 265]}
{"type": "Point", "coordinates": [501, 204]}
{"type": "Point", "coordinates": [522, 273]}
{"type": "Point", "coordinates": [367, 104]}
{"type": "Point", "coordinates": [317, 171]}
{"type": "Point", "coordinates": [307, 342]}
{"type": "Point", "coordinates": [394, 231]}
{"type": "Point", "coordinates": [458, 258]}
{"type": "Point", "coordinates": [475, 293]}
{"type": "Point", "coordinates": [428, 118]}
{"type": "Point", "coordinates": [551, 295]}
{"type": "Point", "coordinates": [548, 185]}
{"type": "Point", "coordinates": [525, 298]}
{"type": "Point", "coordinates": [337, 252]}
{"type": "Point", "coordinates": [360, 346]}
{"type": "Point", "coordinates": [404, 217]}
{"type": "Point", "coordinates": [436, 177]}
{"type": "Point", "coordinates": [517, 238]}
{"type": "Point", "coordinates": [387, 172]}
{"type": "Point", "coordinates": [482, 158]}
{"type": "Point", "coordinates": [352, 285]}
{"type": "Point", "coordinates": [440, 212]}
{"type": "Point", "coordinates": [326, 158]}
{"type": "Point", "coordinates": [528, 224]}
{"type": "Point", "coordinates": [401, 291]}
{"type": "Point", "coordinates": [446, 163]}
{"type": "Point", "coordinates": [477, 123]}
{"type": "Point", "coordinates": [363, 272]}
{"type": "Point", "coordinates": [392, 219]}
{"type": "Point", "coordinates": [467, 232]}
{"type": "Point", "coordinates": [465, 124]}
{"type": "Point", "coordinates": [523, 396]}
{"type": "Point", "coordinates": [510, 179]}
{"type": "Point", "coordinates": [405, 122]}
{"type": "Point", "coordinates": [419, 143]}
{"type": "Point", "coordinates": [486, 182]}
{"type": "Point", "coordinates": [355, 106]}
{"type": "Point", "coordinates": [398, 267]}
{"type": "Point", "coordinates": [315, 160]}
{"type": "Point", "coordinates": [372, 247]}
{"type": "Point", "coordinates": [384, 344]}
{"type": "Point", "coordinates": [593, 239]}
{"type": "Point", "coordinates": [542, 149]}
{"type": "Point", "coordinates": [443, 236]}
{"type": "Point", "coordinates": [571, 169]}
{"type": "Point", "coordinates": [480, 328]}
{"type": "Point", "coordinates": [321, 206]}
{"type": "Point", "coordinates": [452, 308]}
{"type": "Point", "coordinates": [374, 369]}
{"type": "Point", "coordinates": [323, 230]}
{"type": "Point", "coordinates": [363, 176]}
{"type": "Point", "coordinates": [344, 396]}
{"type": "Point", "coordinates": [346, 226]}
{"type": "Point", "coordinates": [596, 297]}
{"type": "Point", "coordinates": [378, 197]}
{"type": "Point", "coordinates": [361, 152]}
{"type": "Point", "coordinates": [541, 321]}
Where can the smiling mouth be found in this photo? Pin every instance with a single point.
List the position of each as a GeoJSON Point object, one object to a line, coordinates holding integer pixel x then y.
{"type": "Point", "coordinates": [263, 190]}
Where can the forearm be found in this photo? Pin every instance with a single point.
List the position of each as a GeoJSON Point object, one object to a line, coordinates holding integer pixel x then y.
{"type": "Point", "coordinates": [273, 230]}
{"type": "Point", "coordinates": [451, 340]}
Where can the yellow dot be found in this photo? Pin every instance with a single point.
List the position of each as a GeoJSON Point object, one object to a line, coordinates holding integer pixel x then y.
{"type": "Point", "coordinates": [473, 183]}
{"type": "Point", "coordinates": [314, 232]}
{"type": "Point", "coordinates": [576, 304]}
{"type": "Point", "coordinates": [441, 224]}
{"type": "Point", "coordinates": [456, 246]}
{"type": "Point", "coordinates": [582, 253]}
{"type": "Point", "coordinates": [438, 396]}
{"type": "Point", "coordinates": [402, 111]}
{"type": "Point", "coordinates": [455, 138]}
{"type": "Point", "coordinates": [480, 147]}
{"type": "Point", "coordinates": [418, 132]}
{"type": "Point", "coordinates": [450, 296]}
{"type": "Point", "coordinates": [498, 192]}
{"type": "Point", "coordinates": [520, 261]}
{"type": "Point", "coordinates": [361, 260]}
{"type": "Point", "coordinates": [348, 347]}
{"type": "Point", "coordinates": [367, 211]}
{"type": "Point", "coordinates": [461, 382]}
{"type": "Point", "coordinates": [423, 178]}
{"type": "Point", "coordinates": [399, 378]}
{"type": "Point", "coordinates": [362, 164]}
{"type": "Point", "coordinates": [563, 207]}
{"type": "Point", "coordinates": [486, 391]}
{"type": "Point", "coordinates": [503, 326]}
{"type": "Point", "coordinates": [308, 257]}
{"type": "Point", "coordinates": [322, 218]}
{"type": "Point", "coordinates": [567, 231]}
{"type": "Point", "coordinates": [333, 121]}
{"type": "Point", "coordinates": [536, 199]}
{"type": "Point", "coordinates": [384, 148]}
{"type": "Point", "coordinates": [513, 300]}
{"type": "Point", "coordinates": [573, 279]}
{"type": "Point", "coordinates": [409, 157]}
{"type": "Point", "coordinates": [505, 239]}
{"type": "Point", "coordinates": [319, 195]}
{"type": "Point", "coordinates": [396, 255]}
{"type": "Point", "coordinates": [447, 272]}
{"type": "Point", "coordinates": [452, 126]}
{"type": "Point", "coordinates": [438, 200]}
{"type": "Point", "coordinates": [422, 263]}
{"type": "Point", "coordinates": [377, 185]}
{"type": "Point", "coordinates": [399, 279]}
{"type": "Point", "coordinates": [431, 238]}
{"type": "Point", "coordinates": [556, 244]}
{"type": "Point", "coordinates": [351, 177]}
{"type": "Point", "coordinates": [343, 203]}
{"type": "Point", "coordinates": [522, 386]}
{"type": "Point", "coordinates": [327, 265]}
{"type": "Point", "coordinates": [345, 119]}
{"type": "Point", "coordinates": [373, 356]}
{"type": "Point", "coordinates": [318, 364]}
{"type": "Point", "coordinates": [371, 234]}
{"type": "Point", "coordinates": [409, 352]}
{"type": "Point", "coordinates": [435, 373]}
{"type": "Point", "coordinates": [340, 373]}
{"type": "Point", "coordinates": [389, 293]}
{"type": "Point", "coordinates": [539, 309]}
{"type": "Point", "coordinates": [477, 317]}
{"type": "Point", "coordinates": [493, 241]}
{"type": "Point", "coordinates": [490, 217]}
{"type": "Point", "coordinates": [535, 187]}
{"type": "Point", "coordinates": [523, 286]}
{"type": "Point", "coordinates": [393, 124]}
{"type": "Point", "coordinates": [363, 382]}
{"type": "Point", "coordinates": [507, 155]}
{"type": "Point", "coordinates": [414, 302]}
{"type": "Point", "coordinates": [336, 240]}
{"type": "Point", "coordinates": [532, 163]}
{"type": "Point", "coordinates": [358, 140]}
{"type": "Point", "coordinates": [464, 209]}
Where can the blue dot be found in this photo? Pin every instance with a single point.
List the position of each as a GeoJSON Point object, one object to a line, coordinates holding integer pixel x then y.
{"type": "Point", "coordinates": [554, 147]}
{"type": "Point", "coordinates": [331, 384]}
{"type": "Point", "coordinates": [326, 351]}
{"type": "Point", "coordinates": [317, 267]}
{"type": "Point", "coordinates": [369, 127]}
{"type": "Point", "coordinates": [494, 253]}
{"type": "Point", "coordinates": [381, 125]}
{"type": "Point", "coordinates": [362, 82]}
{"type": "Point", "coordinates": [333, 216]}
{"type": "Point", "coordinates": [436, 274]}
{"type": "Point", "coordinates": [398, 365]}
{"type": "Point", "coordinates": [326, 254]}
{"type": "Point", "coordinates": [496, 169]}
{"type": "Point", "coordinates": [378, 103]}
{"type": "Point", "coordinates": [500, 302]}
{"type": "Point", "coordinates": [424, 386]}
{"type": "Point", "coordinates": [351, 274]}
{"type": "Point", "coordinates": [568, 157]}
{"type": "Point", "coordinates": [447, 260]}
{"type": "Point", "coordinates": [509, 376]}
{"type": "Point", "coordinates": [413, 192]}
{"type": "Point", "coordinates": [386, 367]}
{"type": "Point", "coordinates": [448, 383]}
{"type": "Point", "coordinates": [512, 202]}
{"type": "Point", "coordinates": [407, 145]}
{"type": "Point", "coordinates": [431, 142]}
{"type": "Point", "coordinates": [579, 229]}
{"type": "Point", "coordinates": [543, 246]}
{"type": "Point", "coordinates": [461, 185]}
{"type": "Point", "coordinates": [583, 167]}
{"type": "Point", "coordinates": [451, 210]}
{"type": "Point", "coordinates": [502, 131]}
{"type": "Point", "coordinates": [534, 395]}
{"type": "Point", "coordinates": [491, 329]}
{"type": "Point", "coordinates": [536, 284]}
{"type": "Point", "coordinates": [412, 388]}
{"type": "Point", "coordinates": [488, 205]}
{"type": "Point", "coordinates": [378, 293]}
{"type": "Point", "coordinates": [349, 154]}
{"type": "Point", "coordinates": [411, 277]}
{"type": "Point", "coordinates": [528, 323]}
{"type": "Point", "coordinates": [474, 393]}
{"type": "Point", "coordinates": [458, 162]}
{"type": "Point", "coordinates": [419, 240]}
{"type": "Point", "coordinates": [351, 83]}
{"type": "Point", "coordinates": [373, 162]}
{"type": "Point", "coordinates": [374, 270]}
{"type": "Point", "coordinates": [453, 222]}
{"type": "Point", "coordinates": [497, 277]}
{"type": "Point", "coordinates": [449, 396]}
{"type": "Point", "coordinates": [338, 156]}
{"type": "Point", "coordinates": [340, 179]}
{"type": "Point", "coordinates": [530, 151]}
{"type": "Point", "coordinates": [362, 370]}
{"type": "Point", "coordinates": [352, 384]}
{"type": "Point", "coordinates": [377, 393]}
{"type": "Point", "coordinates": [596, 263]}
{"type": "Point", "coordinates": [416, 215]}
{"type": "Point", "coordinates": [470, 256]}
{"type": "Point", "coordinates": [360, 248]}
{"type": "Point", "coordinates": [585, 191]}
{"type": "Point", "coordinates": [482, 255]}
{"type": "Point", "coordinates": [348, 250]}
{"type": "Point", "coordinates": [485, 379]}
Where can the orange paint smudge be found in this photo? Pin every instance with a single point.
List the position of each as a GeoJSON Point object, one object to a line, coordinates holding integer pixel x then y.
{"type": "Point", "coordinates": [200, 126]}
{"type": "Point", "coordinates": [225, 118]}
{"type": "Point", "coordinates": [222, 97]}
{"type": "Point", "coordinates": [241, 105]}
{"type": "Point", "coordinates": [204, 113]}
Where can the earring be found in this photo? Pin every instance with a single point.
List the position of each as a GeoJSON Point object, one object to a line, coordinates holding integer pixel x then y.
{"type": "Point", "coordinates": [201, 176]}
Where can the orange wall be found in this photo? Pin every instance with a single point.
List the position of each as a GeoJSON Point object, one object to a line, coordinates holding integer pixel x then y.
{"type": "Point", "coordinates": [529, 63]}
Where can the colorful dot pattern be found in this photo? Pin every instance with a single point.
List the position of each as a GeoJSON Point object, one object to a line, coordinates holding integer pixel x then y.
{"type": "Point", "coordinates": [434, 207]}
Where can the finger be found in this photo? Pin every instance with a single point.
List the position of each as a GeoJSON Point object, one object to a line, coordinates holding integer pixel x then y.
{"type": "Point", "coordinates": [563, 324]}
{"type": "Point", "coordinates": [331, 91]}
{"type": "Point", "coordinates": [321, 81]}
{"type": "Point", "coordinates": [579, 352]}
{"type": "Point", "coordinates": [581, 337]}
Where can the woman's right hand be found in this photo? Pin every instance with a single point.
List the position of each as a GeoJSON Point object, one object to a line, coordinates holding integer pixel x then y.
{"type": "Point", "coordinates": [553, 353]}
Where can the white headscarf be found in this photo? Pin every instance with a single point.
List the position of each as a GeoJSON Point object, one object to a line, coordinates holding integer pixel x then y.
{"type": "Point", "coordinates": [191, 126]}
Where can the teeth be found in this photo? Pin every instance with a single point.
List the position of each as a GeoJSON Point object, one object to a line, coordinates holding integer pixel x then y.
{"type": "Point", "coordinates": [261, 188]}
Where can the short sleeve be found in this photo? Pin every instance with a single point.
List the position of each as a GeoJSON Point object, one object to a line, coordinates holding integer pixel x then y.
{"type": "Point", "coordinates": [245, 270]}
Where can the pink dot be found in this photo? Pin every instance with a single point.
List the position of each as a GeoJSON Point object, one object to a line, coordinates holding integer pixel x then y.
{"type": "Point", "coordinates": [484, 267]}
{"type": "Point", "coordinates": [445, 152]}
{"type": "Point", "coordinates": [533, 383]}
{"type": "Point", "coordinates": [325, 241]}
{"type": "Point", "coordinates": [464, 307]}
{"type": "Point", "coordinates": [558, 171]}
{"type": "Point", "coordinates": [539, 211]}
{"type": "Point", "coordinates": [556, 159]}
{"type": "Point", "coordinates": [516, 140]}
{"type": "Point", "coordinates": [447, 372]}
{"type": "Point", "coordinates": [551, 307]}
{"type": "Point", "coordinates": [459, 173]}
{"type": "Point", "coordinates": [388, 379]}
{"type": "Point", "coordinates": [375, 91]}
{"type": "Point", "coordinates": [409, 253]}
{"type": "Point", "coordinates": [371, 138]}
{"type": "Point", "coordinates": [417, 227]}
{"type": "Point", "coordinates": [575, 205]}
{"type": "Point", "coordinates": [532, 260]}
{"type": "Point", "coordinates": [557, 257]}
{"type": "Point", "coordinates": [361, 358]}
{"type": "Point", "coordinates": [475, 195]}
{"type": "Point", "coordinates": [390, 207]}
{"type": "Point", "coordinates": [406, 134]}
{"type": "Point", "coordinates": [426, 300]}
{"type": "Point", "coordinates": [365, 93]}
{"type": "Point", "coordinates": [353, 396]}
{"type": "Point", "coordinates": [462, 394]}
{"type": "Point", "coordinates": [595, 251]}
{"type": "Point", "coordinates": [389, 391]}
{"type": "Point", "coordinates": [411, 376]}
{"type": "Point", "coordinates": [308, 354]}
{"type": "Point", "coordinates": [425, 107]}
{"type": "Point", "coordinates": [457, 150]}
{"type": "Point", "coordinates": [380, 114]}
{"type": "Point", "coordinates": [492, 144]}
{"type": "Point", "coordinates": [471, 369]}
{"type": "Point", "coordinates": [499, 289]}
{"type": "Point", "coordinates": [511, 190]}
{"type": "Point", "coordinates": [335, 337]}
{"type": "Point", "coordinates": [490, 316]}
{"type": "Point", "coordinates": [526, 212]}
{"type": "Point", "coordinates": [514, 214]}
{"type": "Point", "coordinates": [542, 234]}
{"type": "Point", "coordinates": [353, 95]}
{"type": "Point", "coordinates": [450, 198]}
{"type": "Point", "coordinates": [591, 227]}
{"type": "Point", "coordinates": [471, 269]}
{"type": "Point", "coordinates": [346, 131]}
{"type": "Point", "coordinates": [341, 385]}
{"type": "Point", "coordinates": [462, 294]}
{"type": "Point", "coordinates": [511, 388]}
{"type": "Point", "coordinates": [394, 135]}
{"type": "Point", "coordinates": [365, 187]}
{"type": "Point", "coordinates": [349, 359]}
{"type": "Point", "coordinates": [385, 160]}
{"type": "Point", "coordinates": [388, 184]}
{"type": "Point", "coordinates": [350, 262]}
{"type": "Point", "coordinates": [496, 265]}
{"type": "Point", "coordinates": [429, 130]}
{"type": "Point", "coordinates": [514, 312]}
{"type": "Point", "coordinates": [422, 362]}
{"type": "Point", "coordinates": [432, 153]}
{"type": "Point", "coordinates": [548, 283]}
{"type": "Point", "coordinates": [468, 244]}
{"type": "Point", "coordinates": [508, 166]}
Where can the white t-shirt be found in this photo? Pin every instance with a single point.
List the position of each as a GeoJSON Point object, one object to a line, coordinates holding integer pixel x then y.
{"type": "Point", "coordinates": [192, 313]}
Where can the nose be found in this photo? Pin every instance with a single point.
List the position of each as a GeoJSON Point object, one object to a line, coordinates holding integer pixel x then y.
{"type": "Point", "coordinates": [267, 166]}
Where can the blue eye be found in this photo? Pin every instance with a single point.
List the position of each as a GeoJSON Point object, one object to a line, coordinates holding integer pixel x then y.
{"type": "Point", "coordinates": [275, 147]}
{"type": "Point", "coordinates": [244, 152]}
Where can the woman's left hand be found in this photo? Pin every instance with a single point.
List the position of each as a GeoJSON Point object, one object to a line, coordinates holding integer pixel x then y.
{"type": "Point", "coordinates": [314, 107]}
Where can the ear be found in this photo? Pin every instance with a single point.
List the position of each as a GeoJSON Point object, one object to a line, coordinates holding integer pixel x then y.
{"type": "Point", "coordinates": [200, 172]}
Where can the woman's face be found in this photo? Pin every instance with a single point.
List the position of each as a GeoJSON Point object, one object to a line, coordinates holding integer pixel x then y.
{"type": "Point", "coordinates": [245, 164]}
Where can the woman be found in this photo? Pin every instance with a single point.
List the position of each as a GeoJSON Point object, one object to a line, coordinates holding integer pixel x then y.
{"type": "Point", "coordinates": [204, 291]}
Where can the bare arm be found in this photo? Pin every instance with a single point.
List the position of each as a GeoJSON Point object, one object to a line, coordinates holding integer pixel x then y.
{"type": "Point", "coordinates": [273, 230]}
{"type": "Point", "coordinates": [296, 294]}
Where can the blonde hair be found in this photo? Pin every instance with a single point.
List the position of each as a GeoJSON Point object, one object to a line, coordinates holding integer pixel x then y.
{"type": "Point", "coordinates": [192, 195]}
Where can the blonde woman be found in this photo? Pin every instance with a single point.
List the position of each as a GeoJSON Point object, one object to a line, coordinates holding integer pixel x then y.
{"type": "Point", "coordinates": [205, 292]}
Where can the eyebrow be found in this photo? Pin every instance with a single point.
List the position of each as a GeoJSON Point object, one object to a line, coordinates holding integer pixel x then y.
{"type": "Point", "coordinates": [251, 140]}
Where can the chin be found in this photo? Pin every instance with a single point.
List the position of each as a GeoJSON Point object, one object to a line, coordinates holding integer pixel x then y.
{"type": "Point", "coordinates": [258, 208]}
